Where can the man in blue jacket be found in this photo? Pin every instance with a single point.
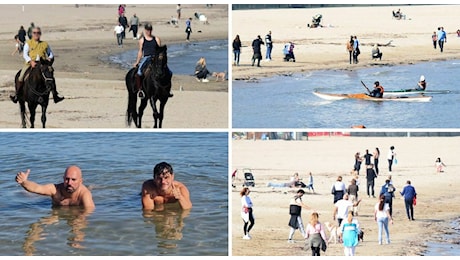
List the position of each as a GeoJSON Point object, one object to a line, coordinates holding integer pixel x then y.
{"type": "Point", "coordinates": [409, 195]}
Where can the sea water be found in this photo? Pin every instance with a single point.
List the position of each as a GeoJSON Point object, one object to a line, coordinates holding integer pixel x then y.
{"type": "Point", "coordinates": [182, 57]}
{"type": "Point", "coordinates": [114, 166]}
{"type": "Point", "coordinates": [288, 101]}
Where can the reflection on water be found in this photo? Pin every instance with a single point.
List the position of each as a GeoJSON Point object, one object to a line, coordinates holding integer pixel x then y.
{"type": "Point", "coordinates": [168, 224]}
{"type": "Point", "coordinates": [74, 217]}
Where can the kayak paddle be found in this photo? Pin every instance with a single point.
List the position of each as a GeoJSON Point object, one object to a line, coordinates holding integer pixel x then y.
{"type": "Point", "coordinates": [366, 87]}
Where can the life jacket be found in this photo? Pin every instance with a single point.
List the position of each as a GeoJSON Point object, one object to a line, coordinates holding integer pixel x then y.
{"type": "Point", "coordinates": [381, 89]}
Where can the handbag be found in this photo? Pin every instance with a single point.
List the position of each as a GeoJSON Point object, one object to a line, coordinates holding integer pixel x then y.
{"type": "Point", "coordinates": [323, 245]}
{"type": "Point", "coordinates": [414, 201]}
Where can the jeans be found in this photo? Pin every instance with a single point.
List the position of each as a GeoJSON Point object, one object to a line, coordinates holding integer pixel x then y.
{"type": "Point", "coordinates": [370, 188]}
{"type": "Point", "coordinates": [237, 56]}
{"type": "Point", "coordinates": [383, 224]}
{"type": "Point", "coordinates": [268, 54]}
{"type": "Point", "coordinates": [390, 163]}
{"type": "Point", "coordinates": [134, 28]}
{"type": "Point", "coordinates": [141, 65]}
{"type": "Point", "coordinates": [119, 39]}
{"type": "Point", "coordinates": [409, 208]}
{"type": "Point", "coordinates": [441, 44]}
{"type": "Point", "coordinates": [301, 229]}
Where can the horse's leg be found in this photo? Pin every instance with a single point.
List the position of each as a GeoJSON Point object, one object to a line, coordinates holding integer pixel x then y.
{"type": "Point", "coordinates": [141, 112]}
{"type": "Point", "coordinates": [22, 106]}
{"type": "Point", "coordinates": [153, 103]}
{"type": "Point", "coordinates": [32, 108]}
{"type": "Point", "coordinates": [43, 115]}
{"type": "Point", "coordinates": [162, 107]}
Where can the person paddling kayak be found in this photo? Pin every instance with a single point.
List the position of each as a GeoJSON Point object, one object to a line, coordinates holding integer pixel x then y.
{"type": "Point", "coordinates": [378, 90]}
{"type": "Point", "coordinates": [421, 85]}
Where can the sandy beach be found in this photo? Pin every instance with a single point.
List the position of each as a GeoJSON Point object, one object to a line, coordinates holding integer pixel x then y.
{"type": "Point", "coordinates": [95, 91]}
{"type": "Point", "coordinates": [325, 47]}
{"type": "Point", "coordinates": [327, 158]}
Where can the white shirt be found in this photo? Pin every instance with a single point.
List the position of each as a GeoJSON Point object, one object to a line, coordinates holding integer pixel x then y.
{"type": "Point", "coordinates": [340, 186]}
{"type": "Point", "coordinates": [246, 201]}
{"type": "Point", "coordinates": [119, 29]}
{"type": "Point", "coordinates": [342, 208]}
{"type": "Point", "coordinates": [383, 213]}
{"type": "Point", "coordinates": [391, 154]}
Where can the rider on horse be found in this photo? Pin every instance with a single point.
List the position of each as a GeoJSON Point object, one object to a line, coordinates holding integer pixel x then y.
{"type": "Point", "coordinates": [147, 47]}
{"type": "Point", "coordinates": [33, 49]}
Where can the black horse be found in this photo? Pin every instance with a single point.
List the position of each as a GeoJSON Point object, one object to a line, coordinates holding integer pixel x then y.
{"type": "Point", "coordinates": [38, 83]}
{"type": "Point", "coordinates": [156, 85]}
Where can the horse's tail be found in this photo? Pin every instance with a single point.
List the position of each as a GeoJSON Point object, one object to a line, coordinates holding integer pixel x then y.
{"type": "Point", "coordinates": [129, 80]}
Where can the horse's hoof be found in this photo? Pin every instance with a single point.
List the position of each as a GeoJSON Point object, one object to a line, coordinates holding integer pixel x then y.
{"type": "Point", "coordinates": [14, 99]}
{"type": "Point", "coordinates": [58, 99]}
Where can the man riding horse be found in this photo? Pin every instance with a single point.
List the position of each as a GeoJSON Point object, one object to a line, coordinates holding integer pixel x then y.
{"type": "Point", "coordinates": [35, 49]}
{"type": "Point", "coordinates": [147, 47]}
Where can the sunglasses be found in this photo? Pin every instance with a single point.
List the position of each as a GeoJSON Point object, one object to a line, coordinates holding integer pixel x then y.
{"type": "Point", "coordinates": [36, 32]}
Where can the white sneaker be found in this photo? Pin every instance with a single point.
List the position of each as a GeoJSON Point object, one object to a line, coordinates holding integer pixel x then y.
{"type": "Point", "coordinates": [197, 79]}
{"type": "Point", "coordinates": [246, 237]}
{"type": "Point", "coordinates": [204, 80]}
{"type": "Point", "coordinates": [249, 236]}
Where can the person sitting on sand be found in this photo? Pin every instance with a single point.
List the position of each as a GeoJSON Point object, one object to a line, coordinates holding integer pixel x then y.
{"type": "Point", "coordinates": [201, 71]}
{"type": "Point", "coordinates": [439, 165]}
{"type": "Point", "coordinates": [376, 53]}
{"type": "Point", "coordinates": [297, 181]}
{"type": "Point", "coordinates": [378, 90]}
{"type": "Point", "coordinates": [71, 192]}
{"type": "Point", "coordinates": [164, 189]}
{"type": "Point", "coordinates": [421, 85]}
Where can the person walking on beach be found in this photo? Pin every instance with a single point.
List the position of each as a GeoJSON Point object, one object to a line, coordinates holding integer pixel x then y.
{"type": "Point", "coordinates": [246, 212]}
{"type": "Point", "coordinates": [295, 208]}
{"type": "Point", "coordinates": [315, 235]}
{"type": "Point", "coordinates": [269, 45]}
{"type": "Point", "coordinates": [256, 49]}
{"type": "Point", "coordinates": [367, 158]}
{"type": "Point", "coordinates": [376, 160]}
{"type": "Point", "coordinates": [391, 156]}
{"type": "Point", "coordinates": [434, 38]}
{"type": "Point", "coordinates": [22, 35]}
{"type": "Point", "coordinates": [442, 38]}
{"type": "Point", "coordinates": [19, 47]}
{"type": "Point", "coordinates": [356, 50]}
{"type": "Point", "coordinates": [358, 161]}
{"type": "Point", "coordinates": [188, 28]}
{"type": "Point", "coordinates": [342, 208]}
{"type": "Point", "coordinates": [350, 44]}
{"type": "Point", "coordinates": [33, 49]}
{"type": "Point", "coordinates": [382, 216]}
{"type": "Point", "coordinates": [178, 11]}
{"type": "Point", "coordinates": [370, 177]}
{"type": "Point", "coordinates": [118, 32]}
{"type": "Point", "coordinates": [124, 22]}
{"type": "Point", "coordinates": [30, 29]}
{"type": "Point", "coordinates": [409, 194]}
{"type": "Point", "coordinates": [236, 50]}
{"type": "Point", "coordinates": [134, 25]}
{"type": "Point", "coordinates": [71, 192]}
{"type": "Point", "coordinates": [338, 189]}
{"type": "Point", "coordinates": [388, 192]}
{"type": "Point", "coordinates": [164, 189]}
{"type": "Point", "coordinates": [310, 183]}
{"type": "Point", "coordinates": [352, 191]}
{"type": "Point", "coordinates": [349, 231]}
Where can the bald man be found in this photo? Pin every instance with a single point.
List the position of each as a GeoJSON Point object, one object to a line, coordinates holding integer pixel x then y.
{"type": "Point", "coordinates": [71, 192]}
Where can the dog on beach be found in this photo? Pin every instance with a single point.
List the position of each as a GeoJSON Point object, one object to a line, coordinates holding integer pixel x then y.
{"type": "Point", "coordinates": [219, 75]}
{"type": "Point", "coordinates": [332, 232]}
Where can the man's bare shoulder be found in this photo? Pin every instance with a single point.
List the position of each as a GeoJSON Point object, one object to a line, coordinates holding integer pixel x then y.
{"type": "Point", "coordinates": [148, 185]}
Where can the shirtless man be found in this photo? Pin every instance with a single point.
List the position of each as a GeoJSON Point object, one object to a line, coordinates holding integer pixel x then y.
{"type": "Point", "coordinates": [71, 192]}
{"type": "Point", "coordinates": [164, 189]}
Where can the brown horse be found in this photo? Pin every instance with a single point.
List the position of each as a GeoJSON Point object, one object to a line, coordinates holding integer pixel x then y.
{"type": "Point", "coordinates": [156, 85]}
{"type": "Point", "coordinates": [38, 84]}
